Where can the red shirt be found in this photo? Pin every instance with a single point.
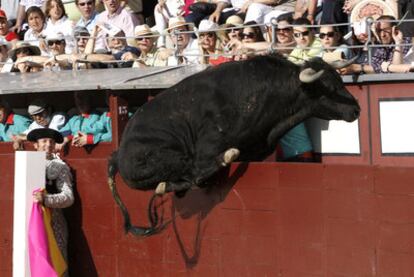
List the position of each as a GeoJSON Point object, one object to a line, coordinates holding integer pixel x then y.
{"type": "Point", "coordinates": [219, 60]}
{"type": "Point", "coordinates": [11, 36]}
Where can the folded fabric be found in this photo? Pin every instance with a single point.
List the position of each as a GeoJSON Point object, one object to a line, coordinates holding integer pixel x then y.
{"type": "Point", "coordinates": [40, 261]}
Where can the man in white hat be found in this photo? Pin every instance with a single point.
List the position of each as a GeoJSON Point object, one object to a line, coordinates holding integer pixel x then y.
{"type": "Point", "coordinates": [56, 44]}
{"type": "Point", "coordinates": [185, 46]}
{"type": "Point", "coordinates": [42, 116]}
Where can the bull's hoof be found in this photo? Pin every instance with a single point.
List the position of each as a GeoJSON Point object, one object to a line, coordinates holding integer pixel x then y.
{"type": "Point", "coordinates": [230, 155]}
{"type": "Point", "coordinates": [161, 188]}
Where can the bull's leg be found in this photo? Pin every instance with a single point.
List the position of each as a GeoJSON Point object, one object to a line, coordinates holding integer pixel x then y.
{"type": "Point", "coordinates": [179, 188]}
{"type": "Point", "coordinates": [211, 165]}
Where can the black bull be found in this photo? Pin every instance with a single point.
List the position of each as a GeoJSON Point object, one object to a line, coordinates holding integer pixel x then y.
{"type": "Point", "coordinates": [187, 133]}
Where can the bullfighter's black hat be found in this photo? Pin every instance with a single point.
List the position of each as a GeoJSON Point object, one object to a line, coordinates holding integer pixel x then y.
{"type": "Point", "coordinates": [40, 133]}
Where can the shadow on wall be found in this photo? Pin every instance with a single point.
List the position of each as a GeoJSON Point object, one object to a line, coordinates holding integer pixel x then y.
{"type": "Point", "coordinates": [80, 257]}
{"type": "Point", "coordinates": [197, 204]}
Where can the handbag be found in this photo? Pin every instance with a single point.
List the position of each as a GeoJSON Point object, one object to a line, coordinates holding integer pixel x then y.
{"type": "Point", "coordinates": [203, 7]}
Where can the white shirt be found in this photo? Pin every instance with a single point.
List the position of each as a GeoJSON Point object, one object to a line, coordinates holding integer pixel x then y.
{"type": "Point", "coordinates": [57, 122]}
{"type": "Point", "coordinates": [64, 26]}
{"type": "Point", "coordinates": [190, 54]}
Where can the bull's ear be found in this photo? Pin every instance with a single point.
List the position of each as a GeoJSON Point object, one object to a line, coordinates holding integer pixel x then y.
{"type": "Point", "coordinates": [309, 75]}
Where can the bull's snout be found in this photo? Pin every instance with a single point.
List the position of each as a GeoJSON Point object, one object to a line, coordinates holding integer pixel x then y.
{"type": "Point", "coordinates": [353, 115]}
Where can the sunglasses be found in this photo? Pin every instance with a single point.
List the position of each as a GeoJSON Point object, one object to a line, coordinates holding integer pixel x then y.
{"type": "Point", "coordinates": [301, 34]}
{"type": "Point", "coordinates": [208, 35]}
{"type": "Point", "coordinates": [328, 34]}
{"type": "Point", "coordinates": [283, 30]}
{"type": "Point", "coordinates": [57, 42]}
{"type": "Point", "coordinates": [248, 35]}
{"type": "Point", "coordinates": [90, 3]}
{"type": "Point", "coordinates": [143, 38]}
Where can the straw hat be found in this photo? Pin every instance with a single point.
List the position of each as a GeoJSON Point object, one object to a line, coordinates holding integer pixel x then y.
{"type": "Point", "coordinates": [144, 30]}
{"type": "Point", "coordinates": [178, 21]}
{"type": "Point", "coordinates": [21, 45]}
{"type": "Point", "coordinates": [235, 20]}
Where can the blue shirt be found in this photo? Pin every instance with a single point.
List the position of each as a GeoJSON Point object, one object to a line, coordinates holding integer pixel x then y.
{"type": "Point", "coordinates": [15, 124]}
{"type": "Point", "coordinates": [295, 142]}
{"type": "Point", "coordinates": [89, 24]}
{"type": "Point", "coordinates": [85, 123]}
{"type": "Point", "coordinates": [106, 123]}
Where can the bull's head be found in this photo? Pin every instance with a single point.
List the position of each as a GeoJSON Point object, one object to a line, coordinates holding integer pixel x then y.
{"type": "Point", "coordinates": [330, 97]}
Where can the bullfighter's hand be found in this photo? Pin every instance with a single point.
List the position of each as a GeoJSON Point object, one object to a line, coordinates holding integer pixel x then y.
{"type": "Point", "coordinates": [38, 197]}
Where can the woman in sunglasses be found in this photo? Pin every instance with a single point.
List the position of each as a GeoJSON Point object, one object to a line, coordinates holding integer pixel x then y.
{"type": "Point", "coordinates": [307, 45]}
{"type": "Point", "coordinates": [333, 43]}
{"type": "Point", "coordinates": [252, 33]}
{"type": "Point", "coordinates": [58, 22]}
{"type": "Point", "coordinates": [209, 43]}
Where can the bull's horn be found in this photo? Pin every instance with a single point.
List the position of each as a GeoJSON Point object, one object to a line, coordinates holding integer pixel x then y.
{"type": "Point", "coordinates": [309, 75]}
{"type": "Point", "coordinates": [342, 64]}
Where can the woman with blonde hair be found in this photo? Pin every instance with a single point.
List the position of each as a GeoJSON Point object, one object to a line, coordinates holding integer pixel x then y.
{"type": "Point", "coordinates": [210, 45]}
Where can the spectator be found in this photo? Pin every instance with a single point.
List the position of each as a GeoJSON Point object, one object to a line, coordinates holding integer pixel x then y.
{"type": "Point", "coordinates": [331, 37]}
{"type": "Point", "coordinates": [117, 16]}
{"type": "Point", "coordinates": [145, 39]}
{"type": "Point", "coordinates": [58, 22]}
{"type": "Point", "coordinates": [285, 41]}
{"type": "Point", "coordinates": [11, 124]}
{"type": "Point", "coordinates": [106, 125]}
{"type": "Point", "coordinates": [84, 128]}
{"type": "Point", "coordinates": [24, 55]}
{"type": "Point", "coordinates": [186, 48]}
{"type": "Point", "coordinates": [88, 13]}
{"type": "Point", "coordinates": [24, 6]}
{"type": "Point", "coordinates": [252, 33]}
{"type": "Point", "coordinates": [210, 45]}
{"type": "Point", "coordinates": [307, 45]}
{"type": "Point", "coordinates": [392, 37]}
{"type": "Point", "coordinates": [35, 35]}
{"type": "Point", "coordinates": [360, 38]}
{"type": "Point", "coordinates": [296, 144]}
{"type": "Point", "coordinates": [236, 24]}
{"type": "Point", "coordinates": [164, 10]}
{"type": "Point", "coordinates": [4, 28]}
{"type": "Point", "coordinates": [42, 117]}
{"type": "Point", "coordinates": [58, 193]}
{"type": "Point", "coordinates": [81, 35]}
{"type": "Point", "coordinates": [56, 44]}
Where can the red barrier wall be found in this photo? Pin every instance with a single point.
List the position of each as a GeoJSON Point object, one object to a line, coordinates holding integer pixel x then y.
{"type": "Point", "coordinates": [262, 219]}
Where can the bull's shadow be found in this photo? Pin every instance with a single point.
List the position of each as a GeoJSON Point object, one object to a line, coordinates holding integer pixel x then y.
{"type": "Point", "coordinates": [199, 203]}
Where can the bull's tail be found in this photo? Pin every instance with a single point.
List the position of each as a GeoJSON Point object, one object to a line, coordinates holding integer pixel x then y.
{"type": "Point", "coordinates": [153, 218]}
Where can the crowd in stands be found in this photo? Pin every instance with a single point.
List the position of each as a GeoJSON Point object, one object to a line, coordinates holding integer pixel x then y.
{"type": "Point", "coordinates": [39, 36]}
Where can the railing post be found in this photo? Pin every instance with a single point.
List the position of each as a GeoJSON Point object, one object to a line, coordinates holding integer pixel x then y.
{"type": "Point", "coordinates": [118, 108]}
